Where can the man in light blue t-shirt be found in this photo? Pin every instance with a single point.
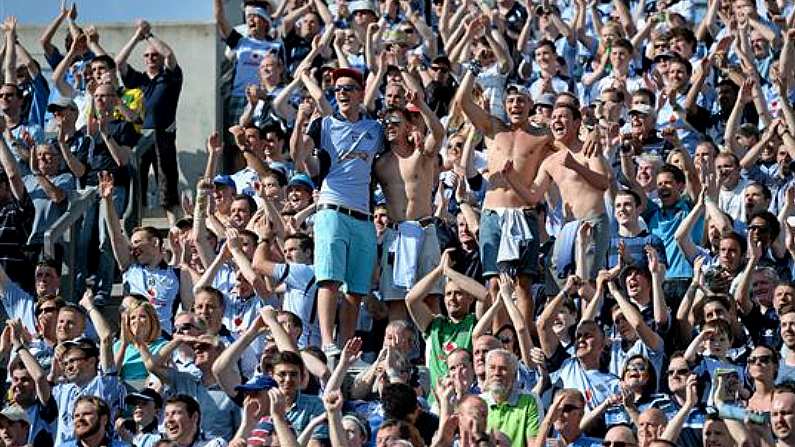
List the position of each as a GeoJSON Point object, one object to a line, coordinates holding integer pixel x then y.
{"type": "Point", "coordinates": [345, 246]}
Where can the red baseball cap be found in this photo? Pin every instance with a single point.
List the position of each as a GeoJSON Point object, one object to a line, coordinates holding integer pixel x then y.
{"type": "Point", "coordinates": [348, 73]}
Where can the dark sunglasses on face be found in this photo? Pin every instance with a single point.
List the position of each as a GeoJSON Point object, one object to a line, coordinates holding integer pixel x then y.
{"type": "Point", "coordinates": [392, 120]}
{"type": "Point", "coordinates": [439, 69]}
{"type": "Point", "coordinates": [760, 228]}
{"type": "Point", "coordinates": [678, 372]}
{"type": "Point", "coordinates": [346, 88]}
{"type": "Point", "coordinates": [762, 359]}
{"type": "Point", "coordinates": [570, 408]}
{"type": "Point", "coordinates": [617, 444]}
{"type": "Point", "coordinates": [637, 368]}
{"type": "Point", "coordinates": [506, 340]}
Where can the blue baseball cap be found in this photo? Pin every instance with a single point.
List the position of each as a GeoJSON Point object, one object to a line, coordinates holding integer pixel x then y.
{"type": "Point", "coordinates": [257, 383]}
{"type": "Point", "coordinates": [301, 179]}
{"type": "Point", "coordinates": [225, 180]}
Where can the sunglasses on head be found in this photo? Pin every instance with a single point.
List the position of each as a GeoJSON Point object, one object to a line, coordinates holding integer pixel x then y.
{"type": "Point", "coordinates": [346, 88]}
{"type": "Point", "coordinates": [392, 120]}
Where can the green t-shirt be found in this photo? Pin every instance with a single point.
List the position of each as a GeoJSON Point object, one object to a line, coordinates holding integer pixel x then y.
{"type": "Point", "coordinates": [519, 421]}
{"type": "Point", "coordinates": [443, 336]}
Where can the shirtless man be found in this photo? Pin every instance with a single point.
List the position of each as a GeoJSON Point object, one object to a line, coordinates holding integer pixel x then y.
{"type": "Point", "coordinates": [403, 173]}
{"type": "Point", "coordinates": [526, 147]}
{"type": "Point", "coordinates": [582, 179]}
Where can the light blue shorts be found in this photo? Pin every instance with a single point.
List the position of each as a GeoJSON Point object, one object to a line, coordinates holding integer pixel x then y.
{"type": "Point", "coordinates": [345, 251]}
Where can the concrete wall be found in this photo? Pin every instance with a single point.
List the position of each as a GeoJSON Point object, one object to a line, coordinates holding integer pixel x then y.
{"type": "Point", "coordinates": [198, 49]}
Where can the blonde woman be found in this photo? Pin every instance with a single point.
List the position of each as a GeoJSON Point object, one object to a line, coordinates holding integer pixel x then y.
{"type": "Point", "coordinates": [139, 323]}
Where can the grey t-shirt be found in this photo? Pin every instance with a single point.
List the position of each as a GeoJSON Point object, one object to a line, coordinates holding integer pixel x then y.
{"type": "Point", "coordinates": [46, 211]}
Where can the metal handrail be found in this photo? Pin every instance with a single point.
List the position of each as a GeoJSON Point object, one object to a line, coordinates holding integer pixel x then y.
{"type": "Point", "coordinates": [79, 202]}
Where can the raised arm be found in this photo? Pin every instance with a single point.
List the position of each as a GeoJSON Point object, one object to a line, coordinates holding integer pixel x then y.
{"type": "Point", "coordinates": [480, 118]}
{"type": "Point", "coordinates": [733, 123]}
{"type": "Point", "coordinates": [166, 52]}
{"type": "Point", "coordinates": [37, 373]}
{"type": "Point", "coordinates": [635, 319]}
{"type": "Point", "coordinates": [59, 74]}
{"type": "Point", "coordinates": [546, 335]}
{"type": "Point", "coordinates": [119, 243]}
{"type": "Point", "coordinates": [224, 368]}
{"type": "Point", "coordinates": [10, 166]}
{"type": "Point", "coordinates": [683, 235]}
{"type": "Point", "coordinates": [657, 278]}
{"type": "Point", "coordinates": [244, 264]}
{"type": "Point", "coordinates": [743, 292]}
{"type": "Point", "coordinates": [46, 37]}
{"type": "Point", "coordinates": [415, 298]}
{"type": "Point", "coordinates": [142, 30]}
{"type": "Point", "coordinates": [518, 320]}
{"type": "Point", "coordinates": [433, 142]}
{"type": "Point", "coordinates": [104, 332]}
{"type": "Point", "coordinates": [10, 60]}
{"type": "Point", "coordinates": [221, 22]}
{"type": "Point", "coordinates": [25, 59]}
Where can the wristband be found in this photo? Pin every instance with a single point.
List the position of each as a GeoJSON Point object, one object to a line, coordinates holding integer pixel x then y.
{"type": "Point", "coordinates": [19, 348]}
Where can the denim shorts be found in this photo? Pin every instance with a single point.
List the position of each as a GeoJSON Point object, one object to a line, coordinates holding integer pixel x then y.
{"type": "Point", "coordinates": [490, 235]}
{"type": "Point", "coordinates": [345, 251]}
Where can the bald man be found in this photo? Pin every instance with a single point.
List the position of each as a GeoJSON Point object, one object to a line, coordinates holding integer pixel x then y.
{"type": "Point", "coordinates": [619, 434]}
{"type": "Point", "coordinates": [651, 424]}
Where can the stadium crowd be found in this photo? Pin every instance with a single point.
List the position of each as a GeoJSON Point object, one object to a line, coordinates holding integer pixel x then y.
{"type": "Point", "coordinates": [445, 223]}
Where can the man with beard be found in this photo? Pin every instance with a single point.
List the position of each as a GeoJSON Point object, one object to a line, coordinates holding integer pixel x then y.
{"type": "Point", "coordinates": [523, 147]}
{"type": "Point", "coordinates": [92, 424]}
{"type": "Point", "coordinates": [222, 415]}
{"type": "Point", "coordinates": [582, 180]}
{"type": "Point", "coordinates": [181, 423]}
{"type": "Point", "coordinates": [563, 418]}
{"type": "Point", "coordinates": [516, 414]}
{"type": "Point", "coordinates": [411, 248]}
{"type": "Point", "coordinates": [345, 240]}
{"type": "Point", "coordinates": [782, 414]}
{"type": "Point", "coordinates": [140, 258]}
{"type": "Point", "coordinates": [445, 333]}
{"type": "Point", "coordinates": [786, 366]}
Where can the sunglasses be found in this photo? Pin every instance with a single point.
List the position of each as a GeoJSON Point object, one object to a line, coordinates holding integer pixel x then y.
{"type": "Point", "coordinates": [392, 120]}
{"type": "Point", "coordinates": [439, 69]}
{"type": "Point", "coordinates": [506, 340]}
{"type": "Point", "coordinates": [678, 372]}
{"type": "Point", "coordinates": [761, 359]}
{"type": "Point", "coordinates": [636, 368]}
{"type": "Point", "coordinates": [760, 228]}
{"type": "Point", "coordinates": [346, 88]}
{"type": "Point", "coordinates": [617, 444]}
{"type": "Point", "coordinates": [570, 408]}
{"type": "Point", "coordinates": [184, 327]}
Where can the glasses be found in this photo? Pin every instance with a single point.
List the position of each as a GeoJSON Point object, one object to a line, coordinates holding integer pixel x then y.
{"type": "Point", "coordinates": [618, 444]}
{"type": "Point", "coordinates": [347, 88]}
{"type": "Point", "coordinates": [678, 372]}
{"type": "Point", "coordinates": [506, 340]}
{"type": "Point", "coordinates": [408, 30]}
{"type": "Point", "coordinates": [392, 120]}
{"type": "Point", "coordinates": [570, 408]}
{"type": "Point", "coordinates": [638, 367]}
{"type": "Point", "coordinates": [439, 69]}
{"type": "Point", "coordinates": [151, 55]}
{"type": "Point", "coordinates": [184, 327]}
{"type": "Point", "coordinates": [761, 359]}
{"type": "Point", "coordinates": [759, 228]}
{"type": "Point", "coordinates": [68, 362]}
